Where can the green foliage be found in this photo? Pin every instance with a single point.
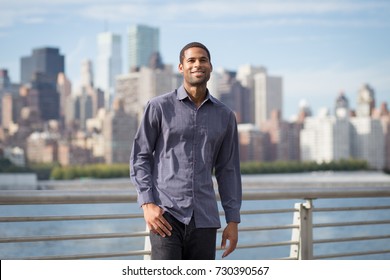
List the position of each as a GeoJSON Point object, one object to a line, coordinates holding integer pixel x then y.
{"type": "Point", "coordinates": [56, 172]}
{"type": "Point", "coordinates": [295, 166]}
{"type": "Point", "coordinates": [90, 171]}
{"type": "Point", "coordinates": [6, 166]}
{"type": "Point", "coordinates": [43, 170]}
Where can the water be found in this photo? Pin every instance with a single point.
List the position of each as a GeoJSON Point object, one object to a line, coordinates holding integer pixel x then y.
{"type": "Point", "coordinates": [72, 247]}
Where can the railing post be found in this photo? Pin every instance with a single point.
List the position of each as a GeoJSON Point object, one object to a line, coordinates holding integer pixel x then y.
{"type": "Point", "coordinates": [147, 245]}
{"type": "Point", "coordinates": [304, 233]}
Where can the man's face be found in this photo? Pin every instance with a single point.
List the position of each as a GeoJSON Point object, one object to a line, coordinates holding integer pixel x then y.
{"type": "Point", "coordinates": [196, 67]}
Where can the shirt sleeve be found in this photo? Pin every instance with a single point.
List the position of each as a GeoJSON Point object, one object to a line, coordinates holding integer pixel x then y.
{"type": "Point", "coordinates": [228, 175]}
{"type": "Point", "coordinates": [141, 158]}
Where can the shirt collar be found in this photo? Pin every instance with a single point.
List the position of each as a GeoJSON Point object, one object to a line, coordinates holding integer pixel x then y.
{"type": "Point", "coordinates": [182, 94]}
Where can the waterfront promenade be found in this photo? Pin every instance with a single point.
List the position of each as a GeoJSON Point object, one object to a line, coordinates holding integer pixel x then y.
{"type": "Point", "coordinates": [347, 215]}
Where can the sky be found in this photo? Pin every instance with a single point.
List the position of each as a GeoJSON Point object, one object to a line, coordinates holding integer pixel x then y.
{"type": "Point", "coordinates": [319, 48]}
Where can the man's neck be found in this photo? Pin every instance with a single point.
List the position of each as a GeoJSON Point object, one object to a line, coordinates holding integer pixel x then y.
{"type": "Point", "coordinates": [197, 94]}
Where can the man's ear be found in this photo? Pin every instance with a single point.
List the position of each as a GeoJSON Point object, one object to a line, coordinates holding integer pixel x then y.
{"type": "Point", "coordinates": [180, 68]}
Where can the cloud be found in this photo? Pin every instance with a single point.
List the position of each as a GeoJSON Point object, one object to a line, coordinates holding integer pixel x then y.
{"type": "Point", "coordinates": [9, 17]}
{"type": "Point", "coordinates": [232, 12]}
{"type": "Point", "coordinates": [224, 9]}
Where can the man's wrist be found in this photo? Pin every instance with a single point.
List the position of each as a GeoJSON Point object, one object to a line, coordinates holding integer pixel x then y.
{"type": "Point", "coordinates": [146, 204]}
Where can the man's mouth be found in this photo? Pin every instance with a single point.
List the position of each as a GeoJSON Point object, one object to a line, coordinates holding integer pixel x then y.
{"type": "Point", "coordinates": [198, 72]}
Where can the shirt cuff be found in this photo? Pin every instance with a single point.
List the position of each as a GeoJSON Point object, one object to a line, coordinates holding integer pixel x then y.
{"type": "Point", "coordinates": [233, 216]}
{"type": "Point", "coordinates": [145, 197]}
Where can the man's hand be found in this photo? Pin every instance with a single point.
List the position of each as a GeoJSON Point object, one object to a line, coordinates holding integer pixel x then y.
{"type": "Point", "coordinates": [230, 233]}
{"type": "Point", "coordinates": [154, 219]}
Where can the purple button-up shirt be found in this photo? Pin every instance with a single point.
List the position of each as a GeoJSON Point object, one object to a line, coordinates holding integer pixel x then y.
{"type": "Point", "coordinates": [175, 150]}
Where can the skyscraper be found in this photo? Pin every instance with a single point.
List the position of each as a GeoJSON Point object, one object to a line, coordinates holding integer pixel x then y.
{"type": "Point", "coordinates": [109, 63]}
{"type": "Point", "coordinates": [365, 101]}
{"type": "Point", "coordinates": [46, 61]}
{"type": "Point", "coordinates": [143, 42]}
{"type": "Point", "coordinates": [266, 92]}
{"type": "Point", "coordinates": [64, 88]}
{"type": "Point", "coordinates": [5, 81]}
{"type": "Point", "coordinates": [268, 97]}
{"type": "Point", "coordinates": [48, 97]}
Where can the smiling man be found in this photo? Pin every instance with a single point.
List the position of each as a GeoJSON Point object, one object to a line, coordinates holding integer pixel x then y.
{"type": "Point", "coordinates": [184, 136]}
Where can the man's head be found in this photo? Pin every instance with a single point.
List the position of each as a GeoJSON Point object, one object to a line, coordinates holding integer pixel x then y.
{"type": "Point", "coordinates": [193, 45]}
{"type": "Point", "coordinates": [195, 65]}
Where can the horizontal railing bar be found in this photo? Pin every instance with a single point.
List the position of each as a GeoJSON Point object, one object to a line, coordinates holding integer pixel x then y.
{"type": "Point", "coordinates": [355, 223]}
{"type": "Point", "coordinates": [131, 253]}
{"type": "Point", "coordinates": [281, 227]}
{"type": "Point", "coordinates": [348, 239]}
{"type": "Point", "coordinates": [313, 193]}
{"type": "Point", "coordinates": [266, 244]}
{"type": "Point", "coordinates": [92, 256]}
{"type": "Point", "coordinates": [69, 218]}
{"type": "Point", "coordinates": [361, 208]}
{"type": "Point", "coordinates": [268, 211]}
{"type": "Point", "coordinates": [71, 237]}
{"type": "Point", "coordinates": [11, 197]}
{"type": "Point", "coordinates": [28, 197]}
{"type": "Point", "coordinates": [332, 256]}
{"type": "Point", "coordinates": [287, 258]}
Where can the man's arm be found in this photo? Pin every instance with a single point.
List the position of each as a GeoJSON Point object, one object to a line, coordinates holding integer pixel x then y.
{"type": "Point", "coordinates": [141, 163]}
{"type": "Point", "coordinates": [141, 159]}
{"type": "Point", "coordinates": [227, 171]}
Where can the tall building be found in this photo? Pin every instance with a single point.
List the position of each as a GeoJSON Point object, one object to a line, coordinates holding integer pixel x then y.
{"type": "Point", "coordinates": [266, 92]}
{"type": "Point", "coordinates": [46, 61]}
{"type": "Point", "coordinates": [48, 97]}
{"type": "Point", "coordinates": [251, 141]}
{"type": "Point", "coordinates": [365, 101]}
{"type": "Point", "coordinates": [6, 87]}
{"type": "Point", "coordinates": [267, 97]}
{"type": "Point", "coordinates": [325, 138]}
{"type": "Point", "coordinates": [136, 88]}
{"type": "Point", "coordinates": [118, 130]}
{"type": "Point", "coordinates": [282, 141]}
{"type": "Point", "coordinates": [367, 141]}
{"type": "Point", "coordinates": [86, 73]}
{"type": "Point", "coordinates": [143, 42]}
{"type": "Point", "coordinates": [109, 64]}
{"type": "Point", "coordinates": [245, 75]}
{"type": "Point", "coordinates": [64, 88]}
{"type": "Point", "coordinates": [384, 116]}
{"type": "Point", "coordinates": [232, 93]}
{"type": "Point", "coordinates": [5, 81]}
{"type": "Point", "coordinates": [341, 105]}
{"type": "Point", "coordinates": [7, 117]}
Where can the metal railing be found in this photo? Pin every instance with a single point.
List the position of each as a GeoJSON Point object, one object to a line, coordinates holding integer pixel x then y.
{"type": "Point", "coordinates": [301, 243]}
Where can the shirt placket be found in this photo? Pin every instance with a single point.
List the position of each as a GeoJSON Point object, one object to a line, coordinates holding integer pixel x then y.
{"type": "Point", "coordinates": [194, 154]}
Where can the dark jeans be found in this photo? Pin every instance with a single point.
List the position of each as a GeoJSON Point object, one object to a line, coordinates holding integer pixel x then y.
{"type": "Point", "coordinates": [186, 242]}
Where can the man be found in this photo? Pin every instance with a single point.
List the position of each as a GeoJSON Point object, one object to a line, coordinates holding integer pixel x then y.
{"type": "Point", "coordinates": [185, 135]}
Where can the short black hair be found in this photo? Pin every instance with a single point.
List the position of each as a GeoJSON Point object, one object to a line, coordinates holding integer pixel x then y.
{"type": "Point", "coordinates": [193, 45]}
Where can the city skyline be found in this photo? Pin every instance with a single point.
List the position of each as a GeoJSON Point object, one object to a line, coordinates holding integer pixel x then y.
{"type": "Point", "coordinates": [319, 48]}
